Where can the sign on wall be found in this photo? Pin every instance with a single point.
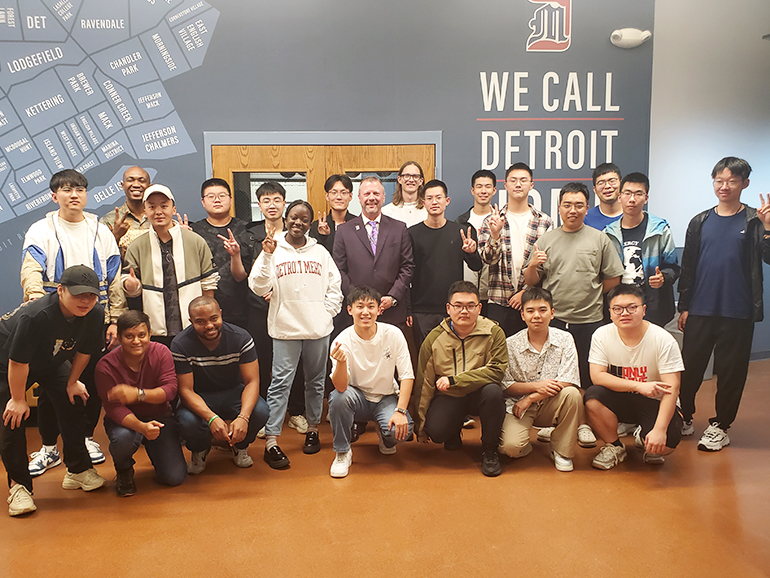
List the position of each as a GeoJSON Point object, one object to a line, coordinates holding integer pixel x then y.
{"type": "Point", "coordinates": [99, 85]}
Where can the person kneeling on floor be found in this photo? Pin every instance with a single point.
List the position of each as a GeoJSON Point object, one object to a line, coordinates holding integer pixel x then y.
{"type": "Point", "coordinates": [136, 382]}
{"type": "Point", "coordinates": [218, 375]}
{"type": "Point", "coordinates": [365, 358]}
{"type": "Point", "coordinates": [633, 356]}
{"type": "Point", "coordinates": [541, 383]}
{"type": "Point", "coordinates": [462, 362]}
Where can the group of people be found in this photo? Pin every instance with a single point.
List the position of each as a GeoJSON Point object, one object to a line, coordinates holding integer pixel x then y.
{"type": "Point", "coordinates": [215, 332]}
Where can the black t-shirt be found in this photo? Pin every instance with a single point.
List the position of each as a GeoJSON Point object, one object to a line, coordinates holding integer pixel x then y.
{"type": "Point", "coordinates": [218, 369]}
{"type": "Point", "coordinates": [38, 334]}
{"type": "Point", "coordinates": [632, 253]}
{"type": "Point", "coordinates": [438, 262]}
{"type": "Point", "coordinates": [170, 292]}
{"type": "Point", "coordinates": [231, 294]}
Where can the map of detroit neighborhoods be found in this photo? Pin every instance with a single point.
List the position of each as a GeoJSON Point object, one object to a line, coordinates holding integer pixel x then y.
{"type": "Point", "coordinates": [81, 82]}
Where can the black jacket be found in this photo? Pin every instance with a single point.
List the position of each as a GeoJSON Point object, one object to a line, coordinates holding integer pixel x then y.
{"type": "Point", "coordinates": [760, 251]}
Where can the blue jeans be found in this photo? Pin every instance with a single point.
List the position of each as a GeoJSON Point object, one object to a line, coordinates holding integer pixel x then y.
{"type": "Point", "coordinates": [352, 405]}
{"type": "Point", "coordinates": [227, 405]}
{"type": "Point", "coordinates": [165, 451]}
{"type": "Point", "coordinates": [286, 355]}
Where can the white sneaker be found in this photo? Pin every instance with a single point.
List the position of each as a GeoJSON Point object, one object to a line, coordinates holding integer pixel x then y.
{"type": "Point", "coordinates": [43, 459]}
{"type": "Point", "coordinates": [197, 462]}
{"type": "Point", "coordinates": [95, 451]}
{"type": "Point", "coordinates": [261, 434]}
{"type": "Point", "coordinates": [562, 464]}
{"type": "Point", "coordinates": [87, 481]}
{"type": "Point", "coordinates": [242, 458]}
{"type": "Point", "coordinates": [20, 501]}
{"type": "Point", "coordinates": [626, 429]}
{"type": "Point", "coordinates": [648, 458]}
{"type": "Point", "coordinates": [713, 439]}
{"type": "Point", "coordinates": [586, 437]}
{"type": "Point", "coordinates": [609, 457]}
{"type": "Point", "coordinates": [299, 423]}
{"type": "Point", "coordinates": [341, 464]}
{"type": "Point", "coordinates": [384, 450]}
{"type": "Point", "coordinates": [544, 434]}
{"type": "Point", "coordinates": [687, 428]}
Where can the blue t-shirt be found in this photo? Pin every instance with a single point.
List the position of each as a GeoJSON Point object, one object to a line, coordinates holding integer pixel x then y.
{"type": "Point", "coordinates": [598, 220]}
{"type": "Point", "coordinates": [217, 370]}
{"type": "Point", "coordinates": [722, 286]}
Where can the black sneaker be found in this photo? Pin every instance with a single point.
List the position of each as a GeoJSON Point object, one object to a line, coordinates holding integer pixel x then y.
{"type": "Point", "coordinates": [124, 483]}
{"type": "Point", "coordinates": [312, 443]}
{"type": "Point", "coordinates": [355, 433]}
{"type": "Point", "coordinates": [490, 464]}
{"type": "Point", "coordinates": [276, 459]}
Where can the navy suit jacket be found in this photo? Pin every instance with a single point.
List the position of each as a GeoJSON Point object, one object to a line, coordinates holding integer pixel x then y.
{"type": "Point", "coordinates": [389, 270]}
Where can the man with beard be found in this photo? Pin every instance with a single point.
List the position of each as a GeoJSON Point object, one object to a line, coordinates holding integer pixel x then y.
{"type": "Point", "coordinates": [218, 376]}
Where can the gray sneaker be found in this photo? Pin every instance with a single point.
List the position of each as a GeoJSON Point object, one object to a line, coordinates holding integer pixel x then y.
{"type": "Point", "coordinates": [197, 462]}
{"type": "Point", "coordinates": [242, 458]}
{"type": "Point", "coordinates": [87, 481]}
{"type": "Point", "coordinates": [713, 439]}
{"type": "Point", "coordinates": [687, 428]}
{"type": "Point", "coordinates": [544, 434]}
{"type": "Point", "coordinates": [20, 501]}
{"type": "Point", "coordinates": [609, 457]}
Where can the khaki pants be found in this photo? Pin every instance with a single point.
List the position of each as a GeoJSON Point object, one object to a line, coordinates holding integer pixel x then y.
{"type": "Point", "coordinates": [561, 411]}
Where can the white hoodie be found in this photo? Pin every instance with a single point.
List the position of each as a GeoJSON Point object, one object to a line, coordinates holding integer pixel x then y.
{"type": "Point", "coordinates": [306, 289]}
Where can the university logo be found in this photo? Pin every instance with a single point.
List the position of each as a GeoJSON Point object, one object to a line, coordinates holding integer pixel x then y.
{"type": "Point", "coordinates": [551, 26]}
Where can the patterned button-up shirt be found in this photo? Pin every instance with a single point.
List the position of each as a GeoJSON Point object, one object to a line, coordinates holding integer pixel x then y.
{"type": "Point", "coordinates": [557, 360]}
{"type": "Point", "coordinates": [497, 254]}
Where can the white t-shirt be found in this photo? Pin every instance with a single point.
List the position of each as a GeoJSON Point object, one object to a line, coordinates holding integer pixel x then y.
{"type": "Point", "coordinates": [372, 363]}
{"type": "Point", "coordinates": [655, 354]}
{"type": "Point", "coordinates": [517, 222]}
{"type": "Point", "coordinates": [473, 276]}
{"type": "Point", "coordinates": [77, 243]}
{"type": "Point", "coordinates": [407, 213]}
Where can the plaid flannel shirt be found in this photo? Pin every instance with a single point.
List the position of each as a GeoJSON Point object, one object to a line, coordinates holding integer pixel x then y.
{"type": "Point", "coordinates": [498, 254]}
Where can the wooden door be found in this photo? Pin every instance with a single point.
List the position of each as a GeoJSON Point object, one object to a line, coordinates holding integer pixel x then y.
{"type": "Point", "coordinates": [318, 162]}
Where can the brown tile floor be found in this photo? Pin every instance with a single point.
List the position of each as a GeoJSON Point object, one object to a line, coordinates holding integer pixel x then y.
{"type": "Point", "coordinates": [422, 512]}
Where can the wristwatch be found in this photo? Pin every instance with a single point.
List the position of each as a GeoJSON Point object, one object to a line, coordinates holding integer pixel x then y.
{"type": "Point", "coordinates": [394, 300]}
{"type": "Point", "coordinates": [401, 410]}
{"type": "Point", "coordinates": [140, 395]}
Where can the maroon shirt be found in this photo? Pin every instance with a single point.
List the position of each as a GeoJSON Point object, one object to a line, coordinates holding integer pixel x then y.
{"type": "Point", "coordinates": [157, 370]}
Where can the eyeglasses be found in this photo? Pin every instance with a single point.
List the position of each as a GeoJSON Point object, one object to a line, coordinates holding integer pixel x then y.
{"type": "Point", "coordinates": [68, 190]}
{"type": "Point", "coordinates": [612, 182]}
{"type": "Point", "coordinates": [636, 195]}
{"type": "Point", "coordinates": [619, 309]}
{"type": "Point", "coordinates": [523, 181]}
{"type": "Point", "coordinates": [335, 193]}
{"type": "Point", "coordinates": [577, 206]}
{"type": "Point", "coordinates": [408, 177]}
{"type": "Point", "coordinates": [216, 197]}
{"type": "Point", "coordinates": [464, 306]}
{"type": "Point", "coordinates": [275, 202]}
{"type": "Point", "coordinates": [732, 183]}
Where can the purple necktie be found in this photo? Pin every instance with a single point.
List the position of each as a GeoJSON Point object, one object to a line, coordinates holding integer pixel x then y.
{"type": "Point", "coordinates": [373, 236]}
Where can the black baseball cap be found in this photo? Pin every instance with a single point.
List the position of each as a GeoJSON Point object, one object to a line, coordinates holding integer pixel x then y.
{"type": "Point", "coordinates": [80, 279]}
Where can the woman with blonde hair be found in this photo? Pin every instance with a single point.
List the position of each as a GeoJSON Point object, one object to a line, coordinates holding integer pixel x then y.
{"type": "Point", "coordinates": [408, 200]}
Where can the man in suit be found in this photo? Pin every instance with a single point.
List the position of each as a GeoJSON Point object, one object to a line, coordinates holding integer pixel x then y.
{"type": "Point", "coordinates": [375, 250]}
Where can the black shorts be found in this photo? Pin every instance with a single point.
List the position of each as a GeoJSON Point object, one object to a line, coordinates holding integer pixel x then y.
{"type": "Point", "coordinates": [635, 408]}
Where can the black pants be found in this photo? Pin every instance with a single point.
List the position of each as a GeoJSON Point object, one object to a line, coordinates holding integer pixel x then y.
{"type": "Point", "coordinates": [730, 339]}
{"type": "Point", "coordinates": [46, 415]}
{"type": "Point", "coordinates": [69, 416]}
{"type": "Point", "coordinates": [507, 317]}
{"type": "Point", "coordinates": [424, 323]}
{"type": "Point", "coordinates": [446, 414]}
{"type": "Point", "coordinates": [581, 333]}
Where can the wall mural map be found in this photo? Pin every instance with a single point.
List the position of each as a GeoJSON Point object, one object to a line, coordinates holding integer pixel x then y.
{"type": "Point", "coordinates": [81, 81]}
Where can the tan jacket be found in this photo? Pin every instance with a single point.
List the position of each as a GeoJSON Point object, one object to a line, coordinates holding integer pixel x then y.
{"type": "Point", "coordinates": [470, 363]}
